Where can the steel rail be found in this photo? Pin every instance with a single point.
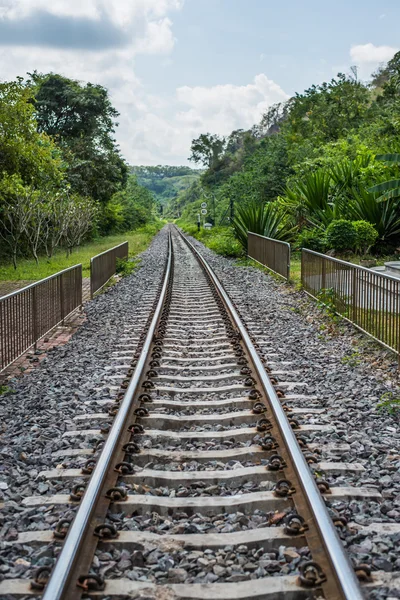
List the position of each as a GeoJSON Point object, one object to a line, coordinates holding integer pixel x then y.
{"type": "Point", "coordinates": [340, 563]}
{"type": "Point", "coordinates": [59, 583]}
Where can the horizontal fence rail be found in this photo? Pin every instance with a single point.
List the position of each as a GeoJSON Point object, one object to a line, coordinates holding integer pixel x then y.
{"type": "Point", "coordinates": [103, 266]}
{"type": "Point", "coordinates": [366, 298]}
{"type": "Point", "coordinates": [271, 253]}
{"type": "Point", "coordinates": [28, 314]}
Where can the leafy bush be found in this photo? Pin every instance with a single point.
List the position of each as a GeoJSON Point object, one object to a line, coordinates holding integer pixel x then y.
{"type": "Point", "coordinates": [192, 230]}
{"type": "Point", "coordinates": [125, 266]}
{"type": "Point", "coordinates": [384, 216]}
{"type": "Point", "coordinates": [366, 236]}
{"type": "Point", "coordinates": [341, 235]}
{"type": "Point", "coordinates": [313, 239]}
{"type": "Point", "coordinates": [388, 189]}
{"type": "Point", "coordinates": [151, 228]}
{"type": "Point", "coordinates": [225, 244]}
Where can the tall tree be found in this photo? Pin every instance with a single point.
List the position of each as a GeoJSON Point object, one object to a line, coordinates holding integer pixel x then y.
{"type": "Point", "coordinates": [207, 149]}
{"type": "Point", "coordinates": [82, 120]}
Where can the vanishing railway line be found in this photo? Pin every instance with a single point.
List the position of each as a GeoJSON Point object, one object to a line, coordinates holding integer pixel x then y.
{"type": "Point", "coordinates": [204, 442]}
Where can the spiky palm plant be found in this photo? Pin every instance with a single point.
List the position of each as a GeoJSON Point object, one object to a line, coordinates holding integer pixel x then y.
{"type": "Point", "coordinates": [264, 219]}
{"type": "Point", "coordinates": [387, 189]}
{"type": "Point", "coordinates": [309, 200]}
{"type": "Point", "coordinates": [384, 216]}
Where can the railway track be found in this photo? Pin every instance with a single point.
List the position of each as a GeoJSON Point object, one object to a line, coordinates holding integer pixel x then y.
{"type": "Point", "coordinates": [202, 481]}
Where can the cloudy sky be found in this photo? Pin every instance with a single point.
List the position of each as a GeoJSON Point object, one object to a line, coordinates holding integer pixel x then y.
{"type": "Point", "coordinates": [178, 68]}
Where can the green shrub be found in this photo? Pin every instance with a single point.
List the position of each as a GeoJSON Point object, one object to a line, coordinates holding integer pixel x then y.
{"type": "Point", "coordinates": [366, 236]}
{"type": "Point", "coordinates": [225, 244]}
{"type": "Point", "coordinates": [152, 228]}
{"type": "Point", "coordinates": [220, 239]}
{"type": "Point", "coordinates": [341, 235]}
{"type": "Point", "coordinates": [125, 266]}
{"type": "Point", "coordinates": [188, 228]}
{"type": "Point", "coordinates": [313, 239]}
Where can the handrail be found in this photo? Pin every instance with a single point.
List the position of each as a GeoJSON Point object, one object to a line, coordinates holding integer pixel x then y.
{"type": "Point", "coordinates": [103, 266]}
{"type": "Point", "coordinates": [269, 252]}
{"type": "Point", "coordinates": [349, 264]}
{"type": "Point", "coordinates": [109, 249]}
{"type": "Point", "coordinates": [28, 314]}
{"type": "Point", "coordinates": [264, 237]}
{"type": "Point", "coordinates": [366, 298]}
{"type": "Point", "coordinates": [41, 281]}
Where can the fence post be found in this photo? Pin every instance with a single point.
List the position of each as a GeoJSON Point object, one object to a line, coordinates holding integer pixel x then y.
{"type": "Point", "coordinates": [61, 290]}
{"type": "Point", "coordinates": [396, 308]}
{"type": "Point", "coordinates": [2, 335]}
{"type": "Point", "coordinates": [34, 316]}
{"type": "Point", "coordinates": [91, 279]}
{"type": "Point", "coordinates": [354, 296]}
{"type": "Point", "coordinates": [323, 275]}
{"type": "Point", "coordinates": [302, 267]}
{"type": "Point", "coordinates": [80, 288]}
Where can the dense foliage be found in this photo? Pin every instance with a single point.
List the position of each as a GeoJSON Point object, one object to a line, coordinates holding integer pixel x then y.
{"type": "Point", "coordinates": [330, 154]}
{"type": "Point", "coordinates": [62, 177]}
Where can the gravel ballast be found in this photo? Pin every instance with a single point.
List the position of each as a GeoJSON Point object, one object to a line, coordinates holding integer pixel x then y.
{"type": "Point", "coordinates": [42, 405]}
{"type": "Point", "coordinates": [314, 364]}
{"type": "Point", "coordinates": [350, 375]}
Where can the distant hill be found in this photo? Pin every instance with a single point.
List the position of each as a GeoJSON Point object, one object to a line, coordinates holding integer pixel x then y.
{"type": "Point", "coordinates": [166, 182]}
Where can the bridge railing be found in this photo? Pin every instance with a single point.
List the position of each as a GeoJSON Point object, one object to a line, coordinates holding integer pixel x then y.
{"type": "Point", "coordinates": [366, 298]}
{"type": "Point", "coordinates": [28, 314]}
{"type": "Point", "coordinates": [271, 253]}
{"type": "Point", "coordinates": [103, 266]}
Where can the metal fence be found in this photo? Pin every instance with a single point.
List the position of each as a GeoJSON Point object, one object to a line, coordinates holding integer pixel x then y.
{"type": "Point", "coordinates": [103, 266]}
{"type": "Point", "coordinates": [366, 298]}
{"type": "Point", "coordinates": [271, 253]}
{"type": "Point", "coordinates": [28, 314]}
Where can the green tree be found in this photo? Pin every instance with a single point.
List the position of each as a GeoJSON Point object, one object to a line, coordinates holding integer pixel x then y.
{"type": "Point", "coordinates": [20, 205]}
{"type": "Point", "coordinates": [82, 120]}
{"type": "Point", "coordinates": [23, 151]}
{"type": "Point", "coordinates": [207, 149]}
{"type": "Point", "coordinates": [129, 208]}
{"type": "Point", "coordinates": [328, 111]}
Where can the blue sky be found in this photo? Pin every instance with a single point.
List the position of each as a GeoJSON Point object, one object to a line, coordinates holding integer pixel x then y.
{"type": "Point", "coordinates": [177, 68]}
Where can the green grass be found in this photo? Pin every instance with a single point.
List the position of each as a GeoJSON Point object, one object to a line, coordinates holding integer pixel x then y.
{"type": "Point", "coordinates": [295, 268]}
{"type": "Point", "coordinates": [28, 270]}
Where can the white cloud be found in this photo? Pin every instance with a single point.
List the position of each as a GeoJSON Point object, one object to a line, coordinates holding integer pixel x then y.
{"type": "Point", "coordinates": [152, 130]}
{"type": "Point", "coordinates": [368, 54]}
{"type": "Point", "coordinates": [222, 108]}
{"type": "Point", "coordinates": [217, 109]}
{"type": "Point", "coordinates": [121, 12]}
{"type": "Point", "coordinates": [157, 38]}
{"type": "Point", "coordinates": [367, 57]}
{"type": "Point", "coordinates": [113, 68]}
